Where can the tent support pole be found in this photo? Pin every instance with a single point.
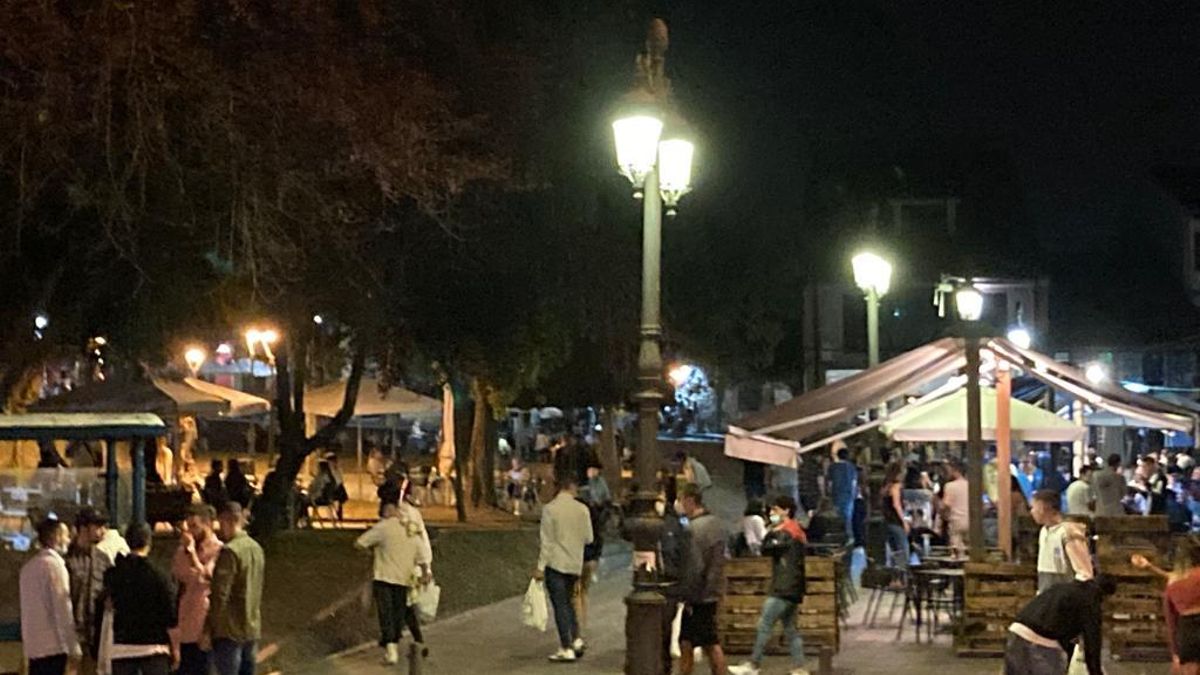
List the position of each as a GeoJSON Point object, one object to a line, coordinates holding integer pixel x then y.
{"type": "Point", "coordinates": [1004, 456]}
{"type": "Point", "coordinates": [111, 479]}
{"type": "Point", "coordinates": [974, 451]}
{"type": "Point", "coordinates": [139, 481]}
{"type": "Point", "coordinates": [360, 464]}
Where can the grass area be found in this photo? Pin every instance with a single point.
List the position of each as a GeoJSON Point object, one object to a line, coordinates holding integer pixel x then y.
{"type": "Point", "coordinates": [314, 602]}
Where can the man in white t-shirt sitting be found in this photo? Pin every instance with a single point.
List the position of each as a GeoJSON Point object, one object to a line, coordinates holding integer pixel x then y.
{"type": "Point", "coordinates": [956, 506]}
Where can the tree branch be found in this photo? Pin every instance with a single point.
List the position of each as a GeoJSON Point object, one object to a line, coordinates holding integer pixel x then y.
{"type": "Point", "coordinates": [326, 434]}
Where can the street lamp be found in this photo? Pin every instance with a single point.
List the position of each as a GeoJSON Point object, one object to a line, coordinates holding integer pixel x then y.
{"type": "Point", "coordinates": [194, 357]}
{"type": "Point", "coordinates": [656, 157]}
{"type": "Point", "coordinates": [873, 275]}
{"type": "Point", "coordinates": [969, 303]}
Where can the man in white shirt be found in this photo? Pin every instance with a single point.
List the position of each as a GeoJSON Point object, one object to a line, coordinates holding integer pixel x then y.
{"type": "Point", "coordinates": [956, 506]}
{"type": "Point", "coordinates": [1079, 494]}
{"type": "Point", "coordinates": [47, 620]}
{"type": "Point", "coordinates": [566, 529]}
{"type": "Point", "coordinates": [1062, 545]}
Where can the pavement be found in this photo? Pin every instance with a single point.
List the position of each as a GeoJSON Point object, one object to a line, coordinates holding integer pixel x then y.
{"type": "Point", "coordinates": [492, 639]}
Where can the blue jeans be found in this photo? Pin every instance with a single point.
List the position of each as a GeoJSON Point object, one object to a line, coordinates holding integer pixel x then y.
{"type": "Point", "coordinates": [1022, 657]}
{"type": "Point", "coordinates": [784, 611]}
{"type": "Point", "coordinates": [560, 587]}
{"type": "Point", "coordinates": [897, 543]}
{"type": "Point", "coordinates": [234, 658]}
{"type": "Point", "coordinates": [845, 509]}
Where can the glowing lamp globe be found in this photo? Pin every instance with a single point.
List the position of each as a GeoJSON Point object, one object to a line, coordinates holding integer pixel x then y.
{"type": "Point", "coordinates": [637, 146]}
{"type": "Point", "coordinates": [872, 273]}
{"type": "Point", "coordinates": [194, 357]}
{"type": "Point", "coordinates": [1020, 337]}
{"type": "Point", "coordinates": [1095, 373]}
{"type": "Point", "coordinates": [969, 302]}
{"type": "Point", "coordinates": [675, 170]}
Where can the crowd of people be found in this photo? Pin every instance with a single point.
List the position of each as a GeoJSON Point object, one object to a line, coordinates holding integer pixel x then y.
{"type": "Point", "coordinates": [92, 598]}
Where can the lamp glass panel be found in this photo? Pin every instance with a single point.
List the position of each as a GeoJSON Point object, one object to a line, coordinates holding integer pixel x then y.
{"type": "Point", "coordinates": [637, 144]}
{"type": "Point", "coordinates": [675, 164]}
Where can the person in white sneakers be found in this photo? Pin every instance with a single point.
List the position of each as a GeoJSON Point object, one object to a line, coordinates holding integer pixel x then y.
{"type": "Point", "coordinates": [400, 551]}
{"type": "Point", "coordinates": [785, 543]}
{"type": "Point", "coordinates": [566, 529]}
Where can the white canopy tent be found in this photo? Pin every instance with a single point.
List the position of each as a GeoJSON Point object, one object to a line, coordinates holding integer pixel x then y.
{"type": "Point", "coordinates": [946, 420]}
{"type": "Point", "coordinates": [240, 404]}
{"type": "Point", "coordinates": [372, 400]}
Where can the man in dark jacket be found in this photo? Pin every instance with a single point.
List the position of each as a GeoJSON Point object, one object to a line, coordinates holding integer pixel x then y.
{"type": "Point", "coordinates": [143, 606]}
{"type": "Point", "coordinates": [784, 543]}
{"type": "Point", "coordinates": [1042, 638]}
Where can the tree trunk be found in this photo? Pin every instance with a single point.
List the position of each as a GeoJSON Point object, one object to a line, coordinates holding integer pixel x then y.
{"type": "Point", "coordinates": [274, 509]}
{"type": "Point", "coordinates": [479, 482]}
{"type": "Point", "coordinates": [462, 452]}
{"type": "Point", "coordinates": [491, 442]}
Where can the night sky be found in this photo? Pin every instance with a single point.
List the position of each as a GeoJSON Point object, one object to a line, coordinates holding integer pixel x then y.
{"type": "Point", "coordinates": [1052, 118]}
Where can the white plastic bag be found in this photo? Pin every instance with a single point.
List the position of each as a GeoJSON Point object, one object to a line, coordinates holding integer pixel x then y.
{"type": "Point", "coordinates": [676, 625]}
{"type": "Point", "coordinates": [1078, 663]}
{"type": "Point", "coordinates": [424, 598]}
{"type": "Point", "coordinates": [533, 611]}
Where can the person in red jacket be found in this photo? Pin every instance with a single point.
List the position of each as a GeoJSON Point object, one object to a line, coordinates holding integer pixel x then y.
{"type": "Point", "coordinates": [785, 543]}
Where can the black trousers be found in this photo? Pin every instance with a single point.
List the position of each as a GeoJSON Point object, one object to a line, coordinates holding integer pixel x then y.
{"type": "Point", "coordinates": [193, 660]}
{"type": "Point", "coordinates": [391, 601]}
{"type": "Point", "coordinates": [159, 664]}
{"type": "Point", "coordinates": [48, 665]}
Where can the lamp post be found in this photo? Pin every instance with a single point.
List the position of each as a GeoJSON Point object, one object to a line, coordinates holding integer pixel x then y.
{"type": "Point", "coordinates": [657, 160]}
{"type": "Point", "coordinates": [969, 303]}
{"type": "Point", "coordinates": [873, 275]}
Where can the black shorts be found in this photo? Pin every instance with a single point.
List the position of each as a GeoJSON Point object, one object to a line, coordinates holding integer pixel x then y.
{"type": "Point", "coordinates": [1187, 638]}
{"type": "Point", "coordinates": [699, 625]}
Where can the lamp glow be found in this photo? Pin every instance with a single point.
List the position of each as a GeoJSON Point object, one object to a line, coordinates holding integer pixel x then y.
{"type": "Point", "coordinates": [269, 336]}
{"type": "Point", "coordinates": [681, 374]}
{"type": "Point", "coordinates": [1095, 373]}
{"type": "Point", "coordinates": [194, 357]}
{"type": "Point", "coordinates": [969, 302]}
{"type": "Point", "coordinates": [318, 319]}
{"type": "Point", "coordinates": [637, 146]}
{"type": "Point", "coordinates": [1020, 337]}
{"type": "Point", "coordinates": [252, 339]}
{"type": "Point", "coordinates": [675, 170]}
{"type": "Point", "coordinates": [872, 273]}
{"type": "Point", "coordinates": [41, 321]}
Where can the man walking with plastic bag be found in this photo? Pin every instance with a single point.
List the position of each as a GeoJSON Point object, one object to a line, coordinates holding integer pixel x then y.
{"type": "Point", "coordinates": [565, 530]}
{"type": "Point", "coordinates": [401, 558]}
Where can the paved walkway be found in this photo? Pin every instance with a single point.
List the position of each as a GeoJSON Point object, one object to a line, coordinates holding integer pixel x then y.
{"type": "Point", "coordinates": [492, 640]}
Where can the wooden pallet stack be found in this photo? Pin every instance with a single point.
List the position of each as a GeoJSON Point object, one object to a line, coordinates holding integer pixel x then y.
{"type": "Point", "coordinates": [747, 581]}
{"type": "Point", "coordinates": [1134, 626]}
{"type": "Point", "coordinates": [993, 593]}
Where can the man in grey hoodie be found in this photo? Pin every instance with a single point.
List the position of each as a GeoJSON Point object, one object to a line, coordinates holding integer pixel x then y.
{"type": "Point", "coordinates": [700, 585]}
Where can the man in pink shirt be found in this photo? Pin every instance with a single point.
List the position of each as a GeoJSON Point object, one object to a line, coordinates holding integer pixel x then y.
{"type": "Point", "coordinates": [192, 568]}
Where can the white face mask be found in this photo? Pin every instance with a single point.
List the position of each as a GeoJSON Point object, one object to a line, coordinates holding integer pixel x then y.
{"type": "Point", "coordinates": [776, 518]}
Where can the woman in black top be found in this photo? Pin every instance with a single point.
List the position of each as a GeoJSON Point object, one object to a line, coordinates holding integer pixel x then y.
{"type": "Point", "coordinates": [143, 607]}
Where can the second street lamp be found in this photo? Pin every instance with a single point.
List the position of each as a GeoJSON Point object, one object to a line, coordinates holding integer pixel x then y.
{"type": "Point", "coordinates": [873, 275]}
{"type": "Point", "coordinates": [658, 162]}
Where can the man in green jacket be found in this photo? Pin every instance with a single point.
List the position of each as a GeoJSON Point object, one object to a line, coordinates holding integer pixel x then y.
{"type": "Point", "coordinates": [234, 617]}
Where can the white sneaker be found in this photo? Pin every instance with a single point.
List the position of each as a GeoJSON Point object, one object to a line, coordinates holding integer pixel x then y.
{"type": "Point", "coordinates": [565, 655]}
{"type": "Point", "coordinates": [391, 654]}
{"type": "Point", "coordinates": [578, 647]}
{"type": "Point", "coordinates": [746, 668]}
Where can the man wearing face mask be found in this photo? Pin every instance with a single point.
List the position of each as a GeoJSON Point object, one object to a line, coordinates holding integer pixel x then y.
{"type": "Point", "coordinates": [785, 543]}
